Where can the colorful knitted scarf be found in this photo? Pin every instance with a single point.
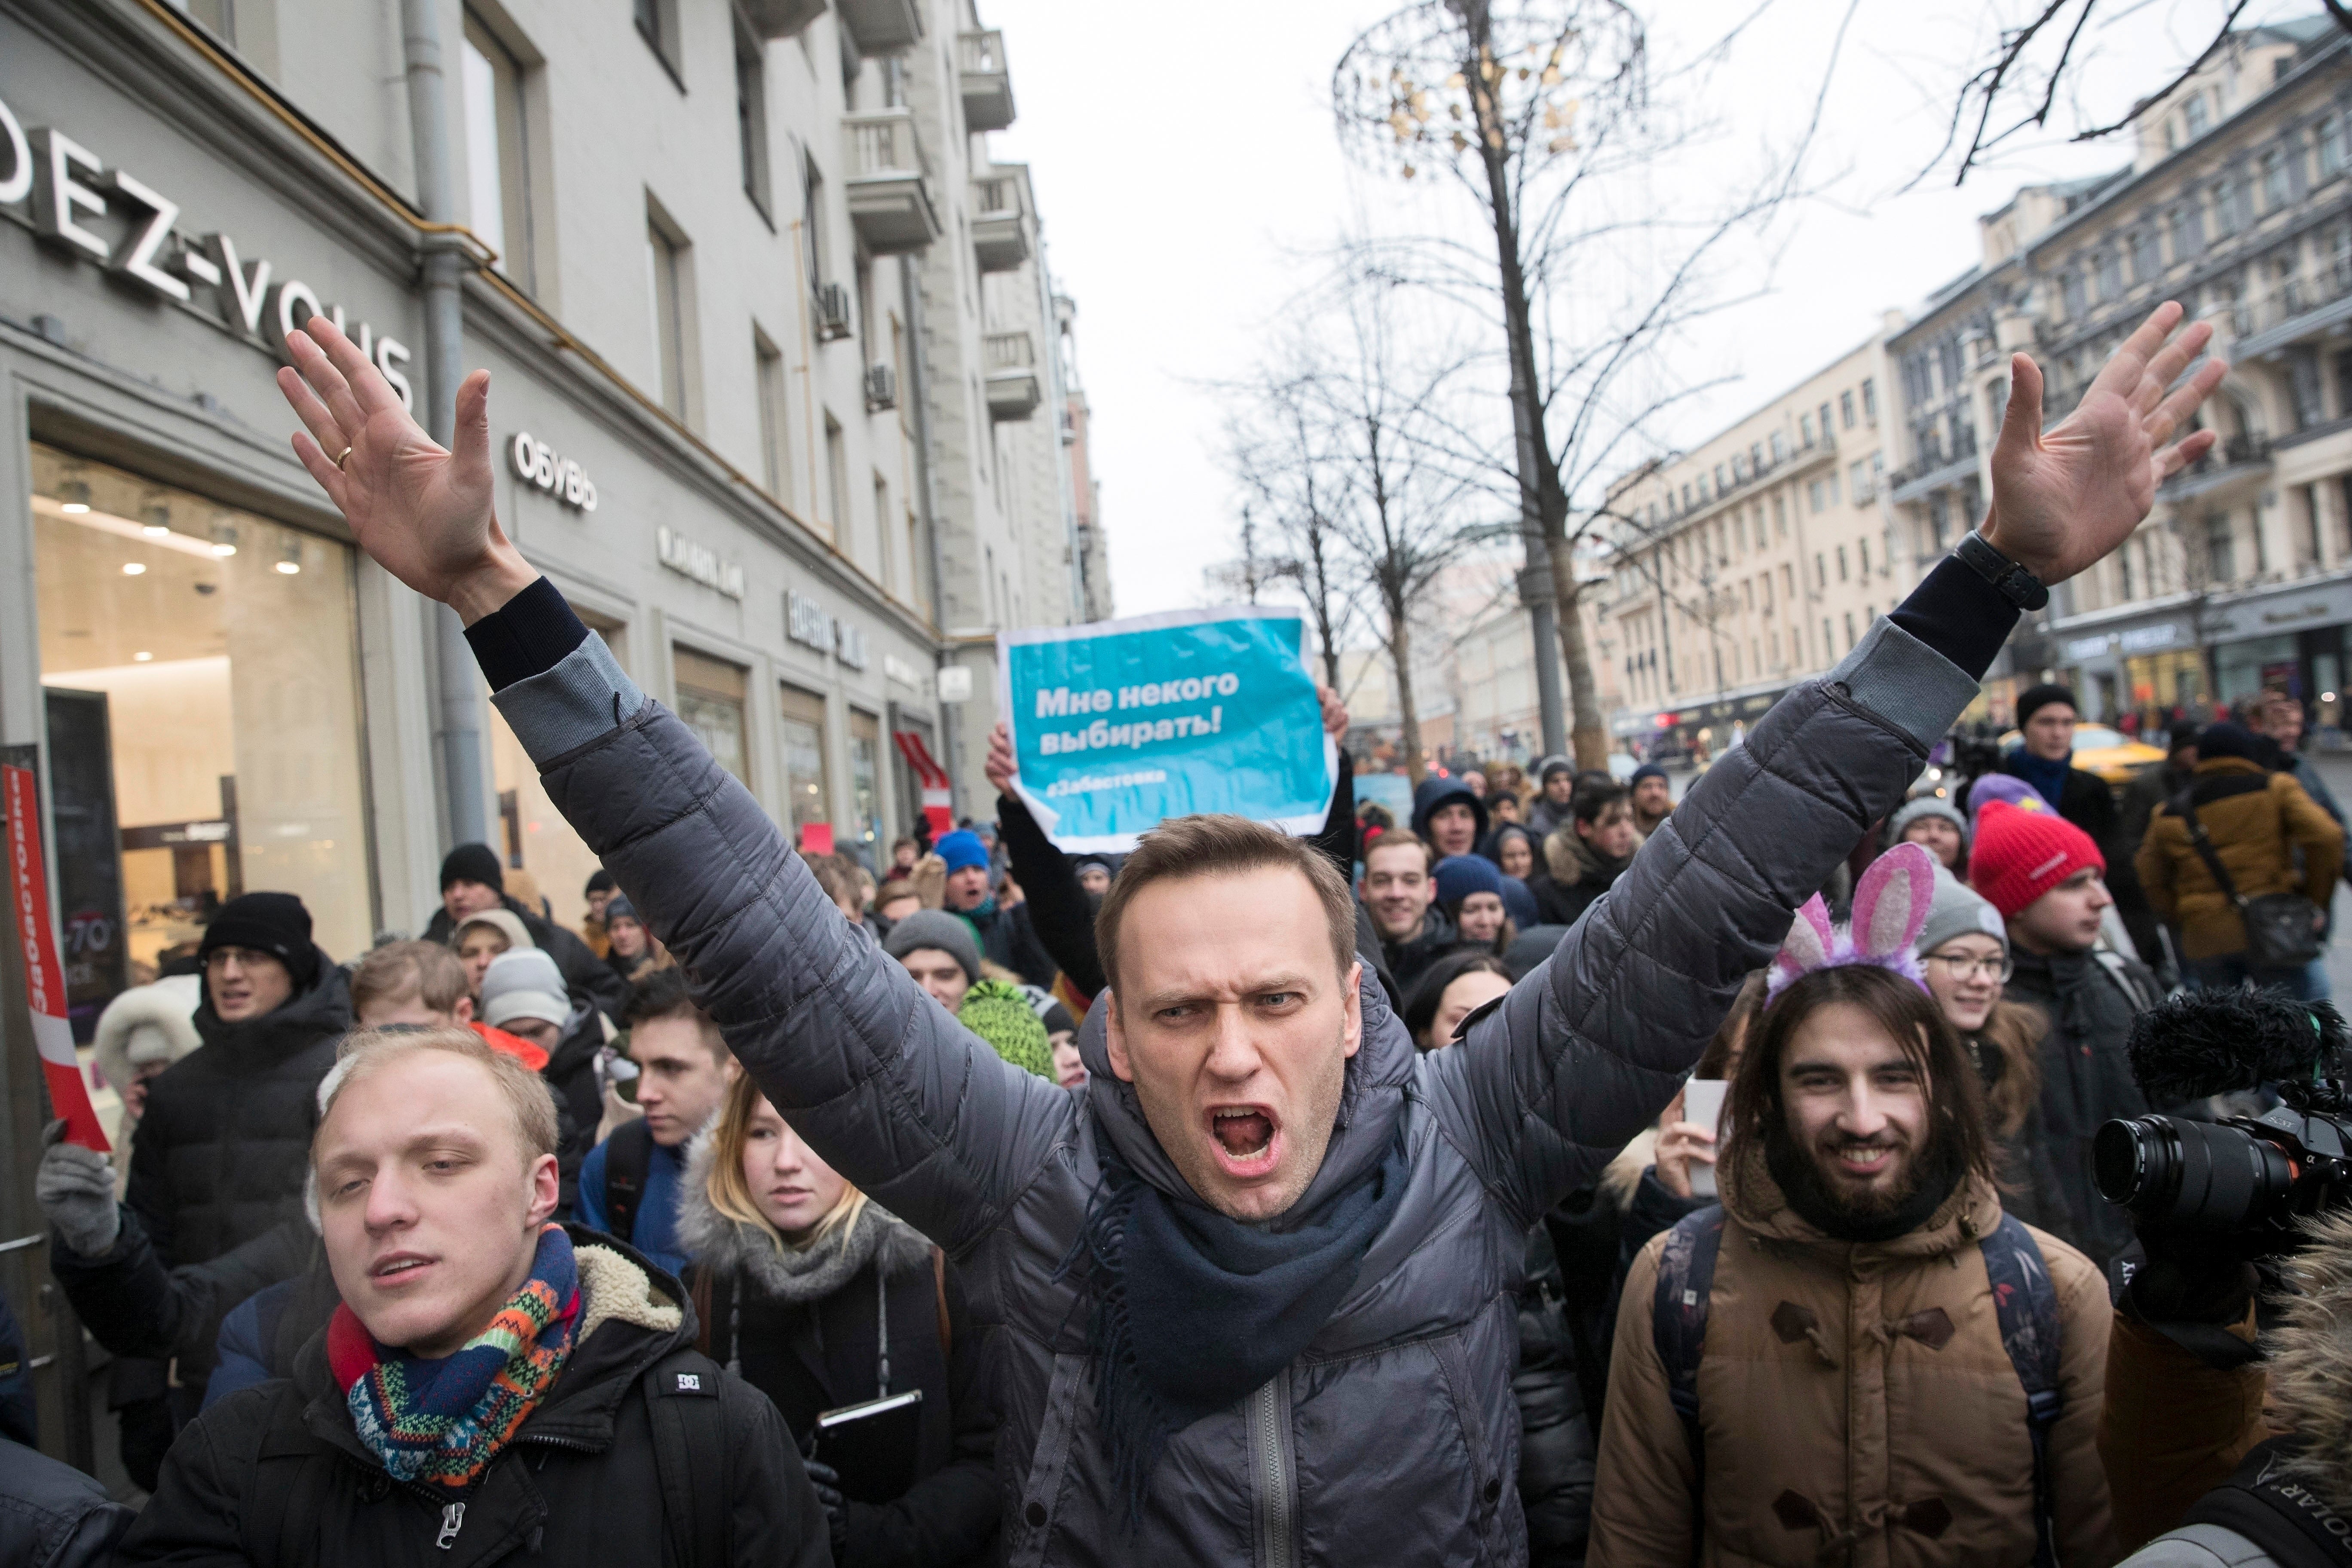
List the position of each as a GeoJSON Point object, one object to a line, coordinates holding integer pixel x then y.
{"type": "Point", "coordinates": [443, 1422]}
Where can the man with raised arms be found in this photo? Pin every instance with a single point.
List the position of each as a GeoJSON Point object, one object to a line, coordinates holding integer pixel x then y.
{"type": "Point", "coordinates": [1253, 1292]}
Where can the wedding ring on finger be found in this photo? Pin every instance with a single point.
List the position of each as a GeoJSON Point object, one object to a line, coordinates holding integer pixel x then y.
{"type": "Point", "coordinates": [340, 456]}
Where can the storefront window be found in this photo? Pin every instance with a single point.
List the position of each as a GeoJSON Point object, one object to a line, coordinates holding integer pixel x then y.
{"type": "Point", "coordinates": [711, 700]}
{"type": "Point", "coordinates": [865, 783]}
{"type": "Point", "coordinates": [803, 734]}
{"type": "Point", "coordinates": [201, 669]}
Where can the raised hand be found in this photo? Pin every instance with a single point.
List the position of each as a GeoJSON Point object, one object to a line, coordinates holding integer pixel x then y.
{"type": "Point", "coordinates": [2063, 499]}
{"type": "Point", "coordinates": [1335, 712]}
{"type": "Point", "coordinates": [1000, 764]}
{"type": "Point", "coordinates": [424, 513]}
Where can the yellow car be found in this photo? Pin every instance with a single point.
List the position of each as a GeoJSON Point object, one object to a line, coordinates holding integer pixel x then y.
{"type": "Point", "coordinates": [2113, 755]}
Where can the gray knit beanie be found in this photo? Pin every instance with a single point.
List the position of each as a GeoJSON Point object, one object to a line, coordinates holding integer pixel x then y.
{"type": "Point", "coordinates": [935, 928]}
{"type": "Point", "coordinates": [1957, 910]}
{"type": "Point", "coordinates": [1926, 805]}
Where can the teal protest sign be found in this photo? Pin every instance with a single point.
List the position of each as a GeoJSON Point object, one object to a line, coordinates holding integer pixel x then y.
{"type": "Point", "coordinates": [1119, 725]}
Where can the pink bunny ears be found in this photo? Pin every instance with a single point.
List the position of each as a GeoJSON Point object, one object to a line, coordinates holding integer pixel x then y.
{"type": "Point", "coordinates": [1890, 908]}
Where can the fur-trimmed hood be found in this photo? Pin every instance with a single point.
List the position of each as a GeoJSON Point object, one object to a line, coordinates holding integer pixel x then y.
{"type": "Point", "coordinates": [153, 1023]}
{"type": "Point", "coordinates": [731, 1247]}
{"type": "Point", "coordinates": [2311, 1360]}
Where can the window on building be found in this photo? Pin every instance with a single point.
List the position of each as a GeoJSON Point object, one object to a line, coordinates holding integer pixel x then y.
{"type": "Point", "coordinates": [1719, 485]}
{"type": "Point", "coordinates": [2194, 113]}
{"type": "Point", "coordinates": [812, 227]}
{"type": "Point", "coordinates": [1829, 641]}
{"type": "Point", "coordinates": [889, 567]}
{"type": "Point", "coordinates": [1841, 561]}
{"type": "Point", "coordinates": [1789, 583]}
{"type": "Point", "coordinates": [1939, 519]}
{"type": "Point", "coordinates": [710, 702]}
{"type": "Point", "coordinates": [1779, 517]}
{"type": "Point", "coordinates": [1848, 618]}
{"type": "Point", "coordinates": [2145, 262]}
{"type": "Point", "coordinates": [866, 783]}
{"type": "Point", "coordinates": [1830, 485]}
{"type": "Point", "coordinates": [2339, 257]}
{"type": "Point", "coordinates": [1805, 428]}
{"type": "Point", "coordinates": [2221, 563]}
{"type": "Point", "coordinates": [2329, 135]}
{"type": "Point", "coordinates": [775, 416]}
{"type": "Point", "coordinates": [751, 116]}
{"type": "Point", "coordinates": [199, 690]}
{"type": "Point", "coordinates": [2071, 294]}
{"type": "Point", "coordinates": [1780, 447]}
{"type": "Point", "coordinates": [1824, 412]}
{"type": "Point", "coordinates": [1858, 477]}
{"type": "Point", "coordinates": [497, 155]}
{"type": "Point", "coordinates": [1870, 400]}
{"type": "Point", "coordinates": [2275, 195]}
{"type": "Point", "coordinates": [666, 273]}
{"type": "Point", "coordinates": [1820, 570]}
{"type": "Point", "coordinates": [2110, 274]}
{"type": "Point", "coordinates": [807, 797]}
{"type": "Point", "coordinates": [2185, 223]}
{"type": "Point", "coordinates": [658, 26]}
{"type": "Point", "coordinates": [2225, 208]}
{"type": "Point", "coordinates": [1813, 495]}
{"type": "Point", "coordinates": [837, 478]}
{"type": "Point", "coordinates": [1863, 548]}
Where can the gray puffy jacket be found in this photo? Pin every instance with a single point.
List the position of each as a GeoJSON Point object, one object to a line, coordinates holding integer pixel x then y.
{"type": "Point", "coordinates": [1393, 1438]}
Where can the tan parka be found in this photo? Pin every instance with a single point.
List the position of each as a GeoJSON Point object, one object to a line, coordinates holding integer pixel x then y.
{"type": "Point", "coordinates": [1856, 1404]}
{"type": "Point", "coordinates": [2256, 829]}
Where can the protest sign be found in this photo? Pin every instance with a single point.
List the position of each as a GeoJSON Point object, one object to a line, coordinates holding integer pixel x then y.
{"type": "Point", "coordinates": [45, 983]}
{"type": "Point", "coordinates": [1119, 725]}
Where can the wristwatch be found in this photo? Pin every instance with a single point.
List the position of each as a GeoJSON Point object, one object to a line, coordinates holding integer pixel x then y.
{"type": "Point", "coordinates": [2009, 580]}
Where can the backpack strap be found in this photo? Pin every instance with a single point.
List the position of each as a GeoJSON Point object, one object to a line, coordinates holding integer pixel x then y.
{"type": "Point", "coordinates": [280, 1523]}
{"type": "Point", "coordinates": [1678, 1327]}
{"type": "Point", "coordinates": [2027, 1303]}
{"type": "Point", "coordinates": [682, 1402]}
{"type": "Point", "coordinates": [628, 1155]}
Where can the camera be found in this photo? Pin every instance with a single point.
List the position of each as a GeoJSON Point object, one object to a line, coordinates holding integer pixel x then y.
{"type": "Point", "coordinates": [2234, 1175]}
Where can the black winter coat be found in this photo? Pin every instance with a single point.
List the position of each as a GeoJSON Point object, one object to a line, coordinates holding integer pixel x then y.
{"type": "Point", "coordinates": [2086, 1080]}
{"type": "Point", "coordinates": [812, 1357]}
{"type": "Point", "coordinates": [571, 1075]}
{"type": "Point", "coordinates": [577, 1484]}
{"type": "Point", "coordinates": [1409, 960]}
{"type": "Point", "coordinates": [1006, 937]}
{"type": "Point", "coordinates": [134, 1306]}
{"type": "Point", "coordinates": [1556, 1435]}
{"type": "Point", "coordinates": [581, 968]}
{"type": "Point", "coordinates": [53, 1516]}
{"type": "Point", "coordinates": [221, 1154]}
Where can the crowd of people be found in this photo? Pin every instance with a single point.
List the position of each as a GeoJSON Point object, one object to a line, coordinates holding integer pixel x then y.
{"type": "Point", "coordinates": [1514, 1183]}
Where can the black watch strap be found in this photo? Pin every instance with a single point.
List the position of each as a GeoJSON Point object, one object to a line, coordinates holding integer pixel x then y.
{"type": "Point", "coordinates": [2009, 580]}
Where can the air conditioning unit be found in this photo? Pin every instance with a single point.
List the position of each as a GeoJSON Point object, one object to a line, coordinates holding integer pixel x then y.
{"type": "Point", "coordinates": [881, 388]}
{"type": "Point", "coordinates": [832, 312]}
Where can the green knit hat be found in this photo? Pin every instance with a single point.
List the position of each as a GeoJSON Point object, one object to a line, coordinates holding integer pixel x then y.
{"type": "Point", "coordinates": [998, 1012]}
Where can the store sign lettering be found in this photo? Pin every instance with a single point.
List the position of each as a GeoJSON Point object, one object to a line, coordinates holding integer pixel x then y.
{"type": "Point", "coordinates": [685, 557]}
{"type": "Point", "coordinates": [808, 623]}
{"type": "Point", "coordinates": [70, 186]}
{"type": "Point", "coordinates": [2147, 640]}
{"type": "Point", "coordinates": [535, 463]}
{"type": "Point", "coordinates": [2086, 647]}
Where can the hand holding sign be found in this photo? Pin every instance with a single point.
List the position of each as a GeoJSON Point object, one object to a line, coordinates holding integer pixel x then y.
{"type": "Point", "coordinates": [1115, 727]}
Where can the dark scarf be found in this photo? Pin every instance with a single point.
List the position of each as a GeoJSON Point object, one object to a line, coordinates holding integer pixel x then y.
{"type": "Point", "coordinates": [2047, 774]}
{"type": "Point", "coordinates": [1191, 1311]}
{"type": "Point", "coordinates": [1800, 1180]}
{"type": "Point", "coordinates": [1602, 870]}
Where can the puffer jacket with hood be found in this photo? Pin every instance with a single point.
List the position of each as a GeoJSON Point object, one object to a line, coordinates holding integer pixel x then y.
{"type": "Point", "coordinates": [2258, 822]}
{"type": "Point", "coordinates": [2088, 1003]}
{"type": "Point", "coordinates": [145, 1025]}
{"type": "Point", "coordinates": [810, 1340]}
{"type": "Point", "coordinates": [577, 1483]}
{"type": "Point", "coordinates": [221, 1155]}
{"type": "Point", "coordinates": [1856, 1401]}
{"type": "Point", "coordinates": [1435, 791]}
{"type": "Point", "coordinates": [1391, 1436]}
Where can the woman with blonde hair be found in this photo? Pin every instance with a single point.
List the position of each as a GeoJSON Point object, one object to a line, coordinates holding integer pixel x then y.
{"type": "Point", "coordinates": [822, 1298]}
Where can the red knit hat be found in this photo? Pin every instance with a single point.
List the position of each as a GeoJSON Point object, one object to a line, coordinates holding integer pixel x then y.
{"type": "Point", "coordinates": [2017, 855]}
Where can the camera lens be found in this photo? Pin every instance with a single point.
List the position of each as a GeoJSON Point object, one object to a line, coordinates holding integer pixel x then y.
{"type": "Point", "coordinates": [2199, 1175]}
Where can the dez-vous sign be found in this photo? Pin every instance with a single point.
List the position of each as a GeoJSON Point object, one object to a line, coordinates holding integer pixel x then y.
{"type": "Point", "coordinates": [70, 186]}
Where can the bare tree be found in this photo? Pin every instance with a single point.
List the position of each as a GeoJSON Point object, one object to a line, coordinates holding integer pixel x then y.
{"type": "Point", "coordinates": [1382, 394]}
{"type": "Point", "coordinates": [1549, 113]}
{"type": "Point", "coordinates": [1282, 450]}
{"type": "Point", "coordinates": [2035, 64]}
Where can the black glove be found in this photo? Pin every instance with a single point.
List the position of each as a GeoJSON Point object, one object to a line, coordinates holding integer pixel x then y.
{"type": "Point", "coordinates": [2193, 1288]}
{"type": "Point", "coordinates": [826, 1481]}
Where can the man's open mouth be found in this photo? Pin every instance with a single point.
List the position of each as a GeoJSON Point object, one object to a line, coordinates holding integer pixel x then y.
{"type": "Point", "coordinates": [1864, 1159]}
{"type": "Point", "coordinates": [398, 1266]}
{"type": "Point", "coordinates": [1244, 1137]}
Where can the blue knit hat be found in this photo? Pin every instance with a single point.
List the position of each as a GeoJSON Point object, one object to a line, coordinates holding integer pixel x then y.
{"type": "Point", "coordinates": [961, 850]}
{"type": "Point", "coordinates": [1647, 770]}
{"type": "Point", "coordinates": [1459, 875]}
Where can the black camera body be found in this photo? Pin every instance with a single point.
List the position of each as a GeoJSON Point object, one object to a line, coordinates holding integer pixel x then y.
{"type": "Point", "coordinates": [2252, 1176]}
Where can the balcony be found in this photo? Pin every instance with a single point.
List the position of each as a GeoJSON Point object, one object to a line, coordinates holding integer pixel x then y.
{"type": "Point", "coordinates": [1932, 472]}
{"type": "Point", "coordinates": [1000, 230]}
{"type": "Point", "coordinates": [780, 18]}
{"type": "Point", "coordinates": [2295, 309]}
{"type": "Point", "coordinates": [890, 194]}
{"type": "Point", "coordinates": [881, 26]}
{"type": "Point", "coordinates": [2236, 459]}
{"type": "Point", "coordinates": [1013, 391]}
{"type": "Point", "coordinates": [987, 85]}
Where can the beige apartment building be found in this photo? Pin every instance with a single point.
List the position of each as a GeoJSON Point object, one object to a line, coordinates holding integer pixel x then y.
{"type": "Point", "coordinates": [1750, 563]}
{"type": "Point", "coordinates": [2236, 203]}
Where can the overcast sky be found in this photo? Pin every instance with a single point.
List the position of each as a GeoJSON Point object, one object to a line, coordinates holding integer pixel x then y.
{"type": "Point", "coordinates": [1187, 167]}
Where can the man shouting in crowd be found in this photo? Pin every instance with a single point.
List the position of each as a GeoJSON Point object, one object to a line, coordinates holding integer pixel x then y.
{"type": "Point", "coordinates": [1256, 1292]}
